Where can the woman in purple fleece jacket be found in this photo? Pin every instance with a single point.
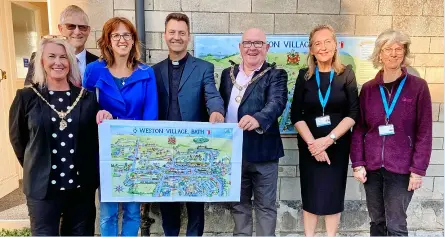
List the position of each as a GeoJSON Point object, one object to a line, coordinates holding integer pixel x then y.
{"type": "Point", "coordinates": [392, 141]}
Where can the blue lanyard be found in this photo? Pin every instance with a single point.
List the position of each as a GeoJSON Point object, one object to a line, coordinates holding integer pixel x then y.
{"type": "Point", "coordinates": [389, 110]}
{"type": "Point", "coordinates": [324, 100]}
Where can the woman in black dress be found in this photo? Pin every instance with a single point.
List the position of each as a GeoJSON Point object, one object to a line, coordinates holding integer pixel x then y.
{"type": "Point", "coordinates": [324, 108]}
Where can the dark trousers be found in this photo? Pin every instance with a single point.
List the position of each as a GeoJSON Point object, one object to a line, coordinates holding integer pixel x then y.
{"type": "Point", "coordinates": [259, 179]}
{"type": "Point", "coordinates": [73, 206]}
{"type": "Point", "coordinates": [171, 218]}
{"type": "Point", "coordinates": [91, 223]}
{"type": "Point", "coordinates": [387, 198]}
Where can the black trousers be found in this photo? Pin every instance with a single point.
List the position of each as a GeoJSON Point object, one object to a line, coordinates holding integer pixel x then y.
{"type": "Point", "coordinates": [66, 213]}
{"type": "Point", "coordinates": [171, 218]}
{"type": "Point", "coordinates": [387, 198]}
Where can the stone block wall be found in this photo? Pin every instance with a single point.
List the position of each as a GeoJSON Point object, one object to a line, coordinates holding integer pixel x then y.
{"type": "Point", "coordinates": [421, 19]}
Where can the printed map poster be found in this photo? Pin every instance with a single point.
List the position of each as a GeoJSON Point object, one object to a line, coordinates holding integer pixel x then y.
{"type": "Point", "coordinates": [289, 53]}
{"type": "Point", "coordinates": [162, 161]}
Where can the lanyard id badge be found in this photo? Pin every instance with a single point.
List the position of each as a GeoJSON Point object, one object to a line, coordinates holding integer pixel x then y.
{"type": "Point", "coordinates": [323, 120]}
{"type": "Point", "coordinates": [388, 129]}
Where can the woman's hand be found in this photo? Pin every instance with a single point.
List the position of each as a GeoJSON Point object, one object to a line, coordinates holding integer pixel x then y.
{"type": "Point", "coordinates": [102, 115]}
{"type": "Point", "coordinates": [319, 145]}
{"type": "Point", "coordinates": [323, 157]}
{"type": "Point", "coordinates": [415, 182]}
{"type": "Point", "coordinates": [360, 174]}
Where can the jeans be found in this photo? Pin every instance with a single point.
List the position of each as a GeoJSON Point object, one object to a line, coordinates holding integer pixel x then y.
{"type": "Point", "coordinates": [171, 218]}
{"type": "Point", "coordinates": [109, 212]}
{"type": "Point", "coordinates": [73, 205]}
{"type": "Point", "coordinates": [387, 198]}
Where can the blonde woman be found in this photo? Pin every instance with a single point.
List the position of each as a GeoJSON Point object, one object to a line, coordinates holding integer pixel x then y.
{"type": "Point", "coordinates": [324, 108]}
{"type": "Point", "coordinates": [392, 141]}
{"type": "Point", "coordinates": [53, 131]}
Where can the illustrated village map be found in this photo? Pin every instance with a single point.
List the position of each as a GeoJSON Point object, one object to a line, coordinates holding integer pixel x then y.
{"type": "Point", "coordinates": [154, 161]}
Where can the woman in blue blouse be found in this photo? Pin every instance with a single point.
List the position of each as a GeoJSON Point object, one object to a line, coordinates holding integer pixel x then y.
{"type": "Point", "coordinates": [127, 89]}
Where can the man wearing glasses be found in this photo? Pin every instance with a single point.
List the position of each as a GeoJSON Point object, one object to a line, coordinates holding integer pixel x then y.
{"type": "Point", "coordinates": [255, 95]}
{"type": "Point", "coordinates": [74, 28]}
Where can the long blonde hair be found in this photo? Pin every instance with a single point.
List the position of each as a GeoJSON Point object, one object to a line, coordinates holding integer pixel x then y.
{"type": "Point", "coordinates": [311, 60]}
{"type": "Point", "coordinates": [40, 75]}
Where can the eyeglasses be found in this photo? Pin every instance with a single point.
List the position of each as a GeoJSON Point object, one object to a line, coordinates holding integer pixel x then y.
{"type": "Point", "coordinates": [117, 37]}
{"type": "Point", "coordinates": [256, 44]}
{"type": "Point", "coordinates": [398, 51]}
{"type": "Point", "coordinates": [74, 26]}
{"type": "Point", "coordinates": [327, 44]}
{"type": "Point", "coordinates": [54, 37]}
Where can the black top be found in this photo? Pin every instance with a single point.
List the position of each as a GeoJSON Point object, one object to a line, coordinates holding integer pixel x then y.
{"type": "Point", "coordinates": [343, 100]}
{"type": "Point", "coordinates": [63, 171]}
{"type": "Point", "coordinates": [175, 69]}
{"type": "Point", "coordinates": [389, 85]}
{"type": "Point", "coordinates": [31, 135]}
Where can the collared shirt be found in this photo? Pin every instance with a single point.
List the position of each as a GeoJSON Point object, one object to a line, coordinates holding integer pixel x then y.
{"type": "Point", "coordinates": [82, 61]}
{"type": "Point", "coordinates": [242, 79]}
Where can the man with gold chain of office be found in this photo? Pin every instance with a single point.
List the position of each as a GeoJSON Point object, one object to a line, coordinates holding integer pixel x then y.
{"type": "Point", "coordinates": [255, 95]}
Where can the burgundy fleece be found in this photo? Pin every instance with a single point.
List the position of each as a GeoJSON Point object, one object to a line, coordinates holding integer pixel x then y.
{"type": "Point", "coordinates": [409, 149]}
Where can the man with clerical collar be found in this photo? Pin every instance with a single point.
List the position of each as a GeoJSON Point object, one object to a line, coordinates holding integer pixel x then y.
{"type": "Point", "coordinates": [255, 95]}
{"type": "Point", "coordinates": [74, 28]}
{"type": "Point", "coordinates": [186, 92]}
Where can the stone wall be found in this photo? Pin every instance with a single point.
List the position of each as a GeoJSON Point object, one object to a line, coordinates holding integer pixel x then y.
{"type": "Point", "coordinates": [421, 19]}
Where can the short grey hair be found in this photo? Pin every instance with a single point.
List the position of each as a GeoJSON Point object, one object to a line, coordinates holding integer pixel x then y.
{"type": "Point", "coordinates": [390, 36]}
{"type": "Point", "coordinates": [70, 10]}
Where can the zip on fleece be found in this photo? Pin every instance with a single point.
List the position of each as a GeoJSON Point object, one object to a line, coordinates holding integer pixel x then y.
{"type": "Point", "coordinates": [384, 137]}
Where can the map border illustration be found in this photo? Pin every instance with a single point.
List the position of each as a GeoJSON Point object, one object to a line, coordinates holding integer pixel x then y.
{"type": "Point", "coordinates": [290, 53]}
{"type": "Point", "coordinates": [164, 161]}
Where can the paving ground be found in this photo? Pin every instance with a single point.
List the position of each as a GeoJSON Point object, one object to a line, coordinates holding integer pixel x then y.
{"type": "Point", "coordinates": [13, 210]}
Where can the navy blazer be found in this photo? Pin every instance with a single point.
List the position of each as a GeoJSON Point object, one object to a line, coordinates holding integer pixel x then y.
{"type": "Point", "coordinates": [197, 94]}
{"type": "Point", "coordinates": [265, 100]}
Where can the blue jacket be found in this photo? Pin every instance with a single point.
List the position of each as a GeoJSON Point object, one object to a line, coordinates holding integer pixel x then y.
{"type": "Point", "coordinates": [138, 98]}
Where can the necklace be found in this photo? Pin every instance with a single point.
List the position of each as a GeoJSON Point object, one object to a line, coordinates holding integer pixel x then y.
{"type": "Point", "coordinates": [241, 88]}
{"type": "Point", "coordinates": [62, 115]}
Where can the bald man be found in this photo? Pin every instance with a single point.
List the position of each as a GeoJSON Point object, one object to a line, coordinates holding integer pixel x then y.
{"type": "Point", "coordinates": [255, 95]}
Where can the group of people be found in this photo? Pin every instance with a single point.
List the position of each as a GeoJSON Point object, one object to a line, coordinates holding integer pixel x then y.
{"type": "Point", "coordinates": [53, 126]}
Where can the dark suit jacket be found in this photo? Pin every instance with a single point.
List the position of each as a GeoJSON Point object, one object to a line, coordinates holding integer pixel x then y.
{"type": "Point", "coordinates": [89, 59]}
{"type": "Point", "coordinates": [30, 136]}
{"type": "Point", "coordinates": [265, 100]}
{"type": "Point", "coordinates": [197, 95]}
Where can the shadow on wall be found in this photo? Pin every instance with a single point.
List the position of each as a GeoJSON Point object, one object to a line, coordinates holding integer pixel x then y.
{"type": "Point", "coordinates": [413, 71]}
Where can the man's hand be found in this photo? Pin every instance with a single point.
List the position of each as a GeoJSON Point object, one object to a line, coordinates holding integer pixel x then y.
{"type": "Point", "coordinates": [248, 123]}
{"type": "Point", "coordinates": [216, 117]}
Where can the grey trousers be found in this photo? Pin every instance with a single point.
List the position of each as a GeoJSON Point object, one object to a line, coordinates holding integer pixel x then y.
{"type": "Point", "coordinates": [259, 179]}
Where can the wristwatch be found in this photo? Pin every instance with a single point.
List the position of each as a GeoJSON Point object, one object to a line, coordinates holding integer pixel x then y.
{"type": "Point", "coordinates": [333, 137]}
